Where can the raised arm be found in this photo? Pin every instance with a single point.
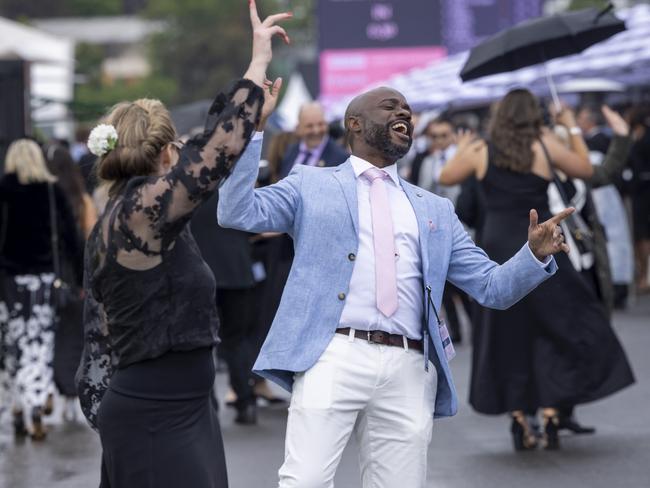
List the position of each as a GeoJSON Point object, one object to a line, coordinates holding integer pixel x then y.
{"type": "Point", "coordinates": [470, 159]}
{"type": "Point", "coordinates": [156, 209]}
{"type": "Point", "coordinates": [617, 154]}
{"type": "Point", "coordinates": [573, 160]}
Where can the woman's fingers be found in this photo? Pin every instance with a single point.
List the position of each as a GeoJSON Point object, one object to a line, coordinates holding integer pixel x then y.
{"type": "Point", "coordinates": [277, 84]}
{"type": "Point", "coordinates": [255, 19]}
{"type": "Point", "coordinates": [277, 30]}
{"type": "Point", "coordinates": [272, 19]}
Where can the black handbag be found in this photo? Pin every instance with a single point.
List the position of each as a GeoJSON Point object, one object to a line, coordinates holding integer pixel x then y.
{"type": "Point", "coordinates": [576, 225]}
{"type": "Point", "coordinates": [62, 293]}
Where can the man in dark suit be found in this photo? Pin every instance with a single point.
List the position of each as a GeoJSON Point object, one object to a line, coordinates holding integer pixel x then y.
{"type": "Point", "coordinates": [228, 254]}
{"type": "Point", "coordinates": [315, 147]}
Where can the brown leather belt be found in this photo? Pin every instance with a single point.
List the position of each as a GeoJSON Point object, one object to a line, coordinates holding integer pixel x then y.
{"type": "Point", "coordinates": [381, 337]}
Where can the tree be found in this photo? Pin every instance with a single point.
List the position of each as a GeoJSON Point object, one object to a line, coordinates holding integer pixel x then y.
{"type": "Point", "coordinates": [206, 46]}
{"type": "Point", "coordinates": [60, 8]}
{"type": "Point", "coordinates": [580, 4]}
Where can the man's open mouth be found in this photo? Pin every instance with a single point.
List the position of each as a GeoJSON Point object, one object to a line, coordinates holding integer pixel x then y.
{"type": "Point", "coordinates": [402, 128]}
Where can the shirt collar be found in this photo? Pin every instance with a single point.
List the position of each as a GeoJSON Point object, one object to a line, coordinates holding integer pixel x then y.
{"type": "Point", "coordinates": [360, 165]}
{"type": "Point", "coordinates": [317, 150]}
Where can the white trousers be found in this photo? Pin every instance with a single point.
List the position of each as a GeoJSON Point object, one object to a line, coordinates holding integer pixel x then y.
{"type": "Point", "coordinates": [381, 393]}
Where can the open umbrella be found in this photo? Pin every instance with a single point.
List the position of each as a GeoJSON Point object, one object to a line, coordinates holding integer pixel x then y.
{"type": "Point", "coordinates": [538, 40]}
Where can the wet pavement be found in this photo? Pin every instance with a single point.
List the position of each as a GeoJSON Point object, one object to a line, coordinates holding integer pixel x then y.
{"type": "Point", "coordinates": [469, 450]}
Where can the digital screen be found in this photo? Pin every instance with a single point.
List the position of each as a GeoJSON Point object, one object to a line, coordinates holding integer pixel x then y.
{"type": "Point", "coordinates": [362, 42]}
{"type": "Point", "coordinates": [350, 24]}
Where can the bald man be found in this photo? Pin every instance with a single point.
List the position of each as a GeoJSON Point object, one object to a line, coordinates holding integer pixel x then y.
{"type": "Point", "coordinates": [315, 147]}
{"type": "Point", "coordinates": [356, 338]}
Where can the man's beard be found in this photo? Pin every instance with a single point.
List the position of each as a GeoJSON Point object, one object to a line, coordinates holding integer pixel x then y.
{"type": "Point", "coordinates": [378, 136]}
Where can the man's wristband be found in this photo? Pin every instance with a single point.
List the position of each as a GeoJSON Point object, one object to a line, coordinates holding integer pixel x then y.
{"type": "Point", "coordinates": [575, 131]}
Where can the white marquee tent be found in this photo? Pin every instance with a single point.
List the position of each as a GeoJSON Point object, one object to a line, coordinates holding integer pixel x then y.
{"type": "Point", "coordinates": [51, 61]}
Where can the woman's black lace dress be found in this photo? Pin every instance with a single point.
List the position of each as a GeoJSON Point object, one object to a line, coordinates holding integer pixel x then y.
{"type": "Point", "coordinates": [150, 321]}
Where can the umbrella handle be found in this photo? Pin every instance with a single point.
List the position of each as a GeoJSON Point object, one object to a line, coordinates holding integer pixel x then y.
{"type": "Point", "coordinates": [553, 89]}
{"type": "Point", "coordinates": [551, 83]}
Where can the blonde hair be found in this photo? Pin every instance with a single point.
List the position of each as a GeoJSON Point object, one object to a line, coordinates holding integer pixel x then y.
{"type": "Point", "coordinates": [144, 127]}
{"type": "Point", "coordinates": [25, 159]}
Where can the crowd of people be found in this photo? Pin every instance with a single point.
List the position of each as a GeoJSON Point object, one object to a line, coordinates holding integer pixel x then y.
{"type": "Point", "coordinates": [289, 268]}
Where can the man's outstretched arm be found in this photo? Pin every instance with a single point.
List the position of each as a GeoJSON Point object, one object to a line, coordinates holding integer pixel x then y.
{"type": "Point", "coordinates": [501, 286]}
{"type": "Point", "coordinates": [269, 209]}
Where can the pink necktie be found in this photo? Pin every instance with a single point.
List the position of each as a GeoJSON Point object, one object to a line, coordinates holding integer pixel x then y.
{"type": "Point", "coordinates": [384, 242]}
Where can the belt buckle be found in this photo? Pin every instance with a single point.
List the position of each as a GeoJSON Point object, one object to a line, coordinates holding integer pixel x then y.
{"type": "Point", "coordinates": [369, 337]}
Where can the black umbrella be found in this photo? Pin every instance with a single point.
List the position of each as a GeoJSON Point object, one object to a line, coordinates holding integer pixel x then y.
{"type": "Point", "coordinates": [538, 40]}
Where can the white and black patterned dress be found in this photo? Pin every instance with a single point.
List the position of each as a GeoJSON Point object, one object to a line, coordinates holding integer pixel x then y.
{"type": "Point", "coordinates": [27, 317]}
{"type": "Point", "coordinates": [27, 341]}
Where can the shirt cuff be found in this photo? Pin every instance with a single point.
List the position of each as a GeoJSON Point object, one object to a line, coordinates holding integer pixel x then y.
{"type": "Point", "coordinates": [257, 136]}
{"type": "Point", "coordinates": [543, 264]}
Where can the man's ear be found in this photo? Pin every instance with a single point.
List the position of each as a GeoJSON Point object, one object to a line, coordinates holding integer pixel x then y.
{"type": "Point", "coordinates": [353, 124]}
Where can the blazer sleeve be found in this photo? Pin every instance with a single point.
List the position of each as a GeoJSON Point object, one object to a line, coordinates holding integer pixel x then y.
{"type": "Point", "coordinates": [493, 285]}
{"type": "Point", "coordinates": [269, 209]}
{"type": "Point", "coordinates": [615, 161]}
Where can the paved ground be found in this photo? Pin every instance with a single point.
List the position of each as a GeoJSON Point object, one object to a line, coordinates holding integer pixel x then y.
{"type": "Point", "coordinates": [467, 451]}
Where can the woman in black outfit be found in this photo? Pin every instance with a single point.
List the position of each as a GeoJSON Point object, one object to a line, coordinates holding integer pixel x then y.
{"type": "Point", "coordinates": [68, 343]}
{"type": "Point", "coordinates": [28, 197]}
{"type": "Point", "coordinates": [556, 347]}
{"type": "Point", "coordinates": [151, 320]}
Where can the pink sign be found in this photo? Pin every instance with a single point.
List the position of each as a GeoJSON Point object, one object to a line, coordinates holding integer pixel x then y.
{"type": "Point", "coordinates": [345, 72]}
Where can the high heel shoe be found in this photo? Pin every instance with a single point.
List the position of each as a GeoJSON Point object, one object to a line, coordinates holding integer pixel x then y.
{"type": "Point", "coordinates": [550, 437]}
{"type": "Point", "coordinates": [523, 438]}
{"type": "Point", "coordinates": [20, 430]}
{"type": "Point", "coordinates": [38, 429]}
{"type": "Point", "coordinates": [48, 408]}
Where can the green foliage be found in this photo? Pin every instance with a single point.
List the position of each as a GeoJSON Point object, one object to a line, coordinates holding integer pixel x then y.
{"type": "Point", "coordinates": [59, 8]}
{"type": "Point", "coordinates": [581, 4]}
{"type": "Point", "coordinates": [94, 95]}
{"type": "Point", "coordinates": [205, 46]}
{"type": "Point", "coordinates": [92, 101]}
{"type": "Point", "coordinates": [207, 43]}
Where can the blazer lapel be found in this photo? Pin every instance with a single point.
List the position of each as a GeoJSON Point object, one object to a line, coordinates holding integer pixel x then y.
{"type": "Point", "coordinates": [345, 176]}
{"type": "Point", "coordinates": [419, 204]}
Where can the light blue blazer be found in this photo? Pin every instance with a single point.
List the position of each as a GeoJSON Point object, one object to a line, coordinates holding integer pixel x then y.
{"type": "Point", "coordinates": [318, 208]}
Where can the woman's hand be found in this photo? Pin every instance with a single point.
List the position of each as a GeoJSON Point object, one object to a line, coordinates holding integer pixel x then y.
{"type": "Point", "coordinates": [467, 140]}
{"type": "Point", "coordinates": [615, 122]}
{"type": "Point", "coordinates": [263, 32]}
{"type": "Point", "coordinates": [271, 92]}
{"type": "Point", "coordinates": [566, 117]}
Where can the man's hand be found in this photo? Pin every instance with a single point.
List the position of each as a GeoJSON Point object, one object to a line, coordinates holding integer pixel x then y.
{"type": "Point", "coordinates": [616, 122]}
{"type": "Point", "coordinates": [271, 92]}
{"type": "Point", "coordinates": [546, 238]}
{"type": "Point", "coordinates": [263, 32]}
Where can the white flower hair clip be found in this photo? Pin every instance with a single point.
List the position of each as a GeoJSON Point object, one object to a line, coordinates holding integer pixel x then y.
{"type": "Point", "coordinates": [102, 139]}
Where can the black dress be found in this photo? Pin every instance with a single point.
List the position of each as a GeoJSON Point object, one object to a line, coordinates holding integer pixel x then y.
{"type": "Point", "coordinates": [151, 323]}
{"type": "Point", "coordinates": [554, 348]}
